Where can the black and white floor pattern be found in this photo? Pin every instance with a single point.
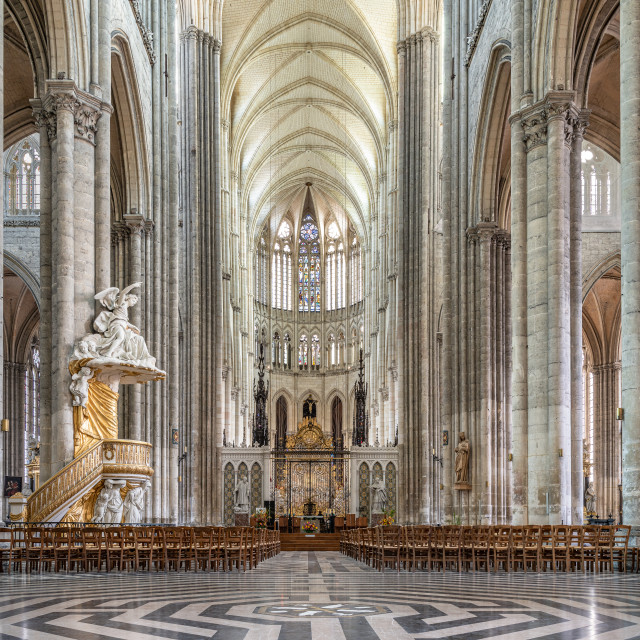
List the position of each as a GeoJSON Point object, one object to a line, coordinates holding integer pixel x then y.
{"type": "Point", "coordinates": [319, 596]}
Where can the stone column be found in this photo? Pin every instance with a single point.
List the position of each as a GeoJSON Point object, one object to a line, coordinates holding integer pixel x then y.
{"type": "Point", "coordinates": [559, 319]}
{"type": "Point", "coordinates": [71, 117]}
{"type": "Point", "coordinates": [606, 439]}
{"type": "Point", "coordinates": [577, 395]}
{"type": "Point", "coordinates": [630, 188]}
{"type": "Point", "coordinates": [62, 103]}
{"type": "Point", "coordinates": [103, 152]}
{"type": "Point", "coordinates": [136, 225]}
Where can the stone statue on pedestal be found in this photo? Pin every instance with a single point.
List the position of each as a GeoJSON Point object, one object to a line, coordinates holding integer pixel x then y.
{"type": "Point", "coordinates": [590, 499]}
{"type": "Point", "coordinates": [242, 496]}
{"type": "Point", "coordinates": [462, 463]}
{"type": "Point", "coordinates": [379, 503]}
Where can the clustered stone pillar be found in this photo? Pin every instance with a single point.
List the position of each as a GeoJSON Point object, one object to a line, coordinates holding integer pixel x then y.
{"type": "Point", "coordinates": [606, 439]}
{"type": "Point", "coordinates": [418, 57]}
{"type": "Point", "coordinates": [200, 59]}
{"type": "Point", "coordinates": [554, 472]}
{"type": "Point", "coordinates": [630, 201]}
{"type": "Point", "coordinates": [67, 120]}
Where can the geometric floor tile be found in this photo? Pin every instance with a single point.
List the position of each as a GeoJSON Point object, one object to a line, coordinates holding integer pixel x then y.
{"type": "Point", "coordinates": [319, 596]}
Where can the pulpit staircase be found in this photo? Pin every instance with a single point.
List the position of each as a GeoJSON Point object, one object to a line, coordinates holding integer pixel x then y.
{"type": "Point", "coordinates": [71, 493]}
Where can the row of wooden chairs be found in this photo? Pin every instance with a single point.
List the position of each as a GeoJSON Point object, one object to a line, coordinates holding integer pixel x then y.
{"type": "Point", "coordinates": [513, 548]}
{"type": "Point", "coordinates": [93, 548]}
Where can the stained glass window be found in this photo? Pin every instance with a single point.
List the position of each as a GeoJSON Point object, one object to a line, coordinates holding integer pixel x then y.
{"type": "Point", "coordinates": [309, 267]}
{"type": "Point", "coordinates": [281, 271]}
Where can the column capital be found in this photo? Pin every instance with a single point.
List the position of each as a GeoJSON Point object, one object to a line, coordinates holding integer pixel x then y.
{"type": "Point", "coordinates": [135, 223]}
{"type": "Point", "coordinates": [119, 231]}
{"type": "Point", "coordinates": [64, 95]}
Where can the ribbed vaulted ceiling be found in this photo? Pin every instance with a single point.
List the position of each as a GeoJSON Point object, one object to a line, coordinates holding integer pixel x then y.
{"type": "Point", "coordinates": [308, 89]}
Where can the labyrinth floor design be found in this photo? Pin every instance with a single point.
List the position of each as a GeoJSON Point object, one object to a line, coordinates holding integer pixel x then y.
{"type": "Point", "coordinates": [319, 596]}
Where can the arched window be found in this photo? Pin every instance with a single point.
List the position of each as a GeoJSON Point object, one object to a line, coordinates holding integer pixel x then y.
{"type": "Point", "coordinates": [22, 178]}
{"type": "Point", "coordinates": [281, 422]}
{"type": "Point", "coordinates": [276, 358]}
{"type": "Point", "coordinates": [332, 350]}
{"type": "Point", "coordinates": [335, 269]}
{"type": "Point", "coordinates": [303, 352]}
{"type": "Point", "coordinates": [315, 351]}
{"type": "Point", "coordinates": [355, 265]}
{"type": "Point", "coordinates": [287, 351]}
{"type": "Point", "coordinates": [309, 266]}
{"type": "Point", "coordinates": [261, 272]}
{"type": "Point", "coordinates": [340, 349]}
{"type": "Point", "coordinates": [600, 179]}
{"type": "Point", "coordinates": [336, 422]}
{"type": "Point", "coordinates": [281, 269]}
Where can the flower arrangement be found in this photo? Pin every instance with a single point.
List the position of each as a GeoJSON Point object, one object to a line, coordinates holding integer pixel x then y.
{"type": "Point", "coordinates": [260, 518]}
{"type": "Point", "coordinates": [310, 527]}
{"type": "Point", "coordinates": [388, 518]}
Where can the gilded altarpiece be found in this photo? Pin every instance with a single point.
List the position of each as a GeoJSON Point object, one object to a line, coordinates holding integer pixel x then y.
{"type": "Point", "coordinates": [310, 473]}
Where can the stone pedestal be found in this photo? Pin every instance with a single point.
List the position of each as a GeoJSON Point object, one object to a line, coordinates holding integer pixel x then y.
{"type": "Point", "coordinates": [242, 519]}
{"type": "Point", "coordinates": [462, 486]}
{"type": "Point", "coordinates": [17, 507]}
{"type": "Point", "coordinates": [376, 519]}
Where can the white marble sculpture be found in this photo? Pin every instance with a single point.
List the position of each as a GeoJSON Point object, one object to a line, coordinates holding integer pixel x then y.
{"type": "Point", "coordinates": [134, 503]}
{"type": "Point", "coordinates": [101, 503]}
{"type": "Point", "coordinates": [113, 511]}
{"type": "Point", "coordinates": [117, 338]}
{"type": "Point", "coordinates": [242, 496]}
{"type": "Point", "coordinates": [379, 503]}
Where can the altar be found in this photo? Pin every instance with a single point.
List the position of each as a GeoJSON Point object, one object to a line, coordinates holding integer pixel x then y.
{"type": "Point", "coordinates": [317, 520]}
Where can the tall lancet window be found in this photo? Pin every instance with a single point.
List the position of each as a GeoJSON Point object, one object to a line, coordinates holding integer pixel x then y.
{"type": "Point", "coordinates": [309, 266]}
{"type": "Point", "coordinates": [22, 178]}
{"type": "Point", "coordinates": [303, 352]}
{"type": "Point", "coordinates": [355, 260]}
{"type": "Point", "coordinates": [281, 269]}
{"type": "Point", "coordinates": [262, 281]}
{"type": "Point", "coordinates": [335, 269]}
{"type": "Point", "coordinates": [315, 351]}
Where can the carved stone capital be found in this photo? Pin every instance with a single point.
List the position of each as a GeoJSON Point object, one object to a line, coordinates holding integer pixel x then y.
{"type": "Point", "coordinates": [190, 33]}
{"type": "Point", "coordinates": [63, 95]}
{"type": "Point", "coordinates": [216, 45]}
{"type": "Point", "coordinates": [135, 223]}
{"type": "Point", "coordinates": [534, 126]}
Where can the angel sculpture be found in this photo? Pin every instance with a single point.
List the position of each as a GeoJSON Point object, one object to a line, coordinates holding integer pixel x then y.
{"type": "Point", "coordinates": [117, 338]}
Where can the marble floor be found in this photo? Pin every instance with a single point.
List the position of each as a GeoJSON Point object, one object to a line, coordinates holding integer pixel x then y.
{"type": "Point", "coordinates": [319, 596]}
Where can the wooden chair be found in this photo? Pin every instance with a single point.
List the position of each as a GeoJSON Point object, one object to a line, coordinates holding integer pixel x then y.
{"type": "Point", "coordinates": [590, 535]}
{"type": "Point", "coordinates": [604, 548]}
{"type": "Point", "coordinates": [451, 549]}
{"type": "Point", "coordinates": [421, 543]}
{"type": "Point", "coordinates": [235, 548]}
{"type": "Point", "coordinates": [501, 547]}
{"type": "Point", "coordinates": [576, 555]}
{"type": "Point", "coordinates": [531, 547]}
{"type": "Point", "coordinates": [93, 544]}
{"type": "Point", "coordinates": [388, 547]}
{"type": "Point", "coordinates": [546, 546]}
{"type": "Point", "coordinates": [9, 550]}
{"type": "Point", "coordinates": [145, 548]}
{"type": "Point", "coordinates": [172, 547]}
{"type": "Point", "coordinates": [560, 547]}
{"type": "Point", "coordinates": [620, 546]}
{"type": "Point", "coordinates": [202, 548]}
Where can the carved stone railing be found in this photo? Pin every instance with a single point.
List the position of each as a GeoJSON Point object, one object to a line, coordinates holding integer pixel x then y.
{"type": "Point", "coordinates": [107, 457]}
